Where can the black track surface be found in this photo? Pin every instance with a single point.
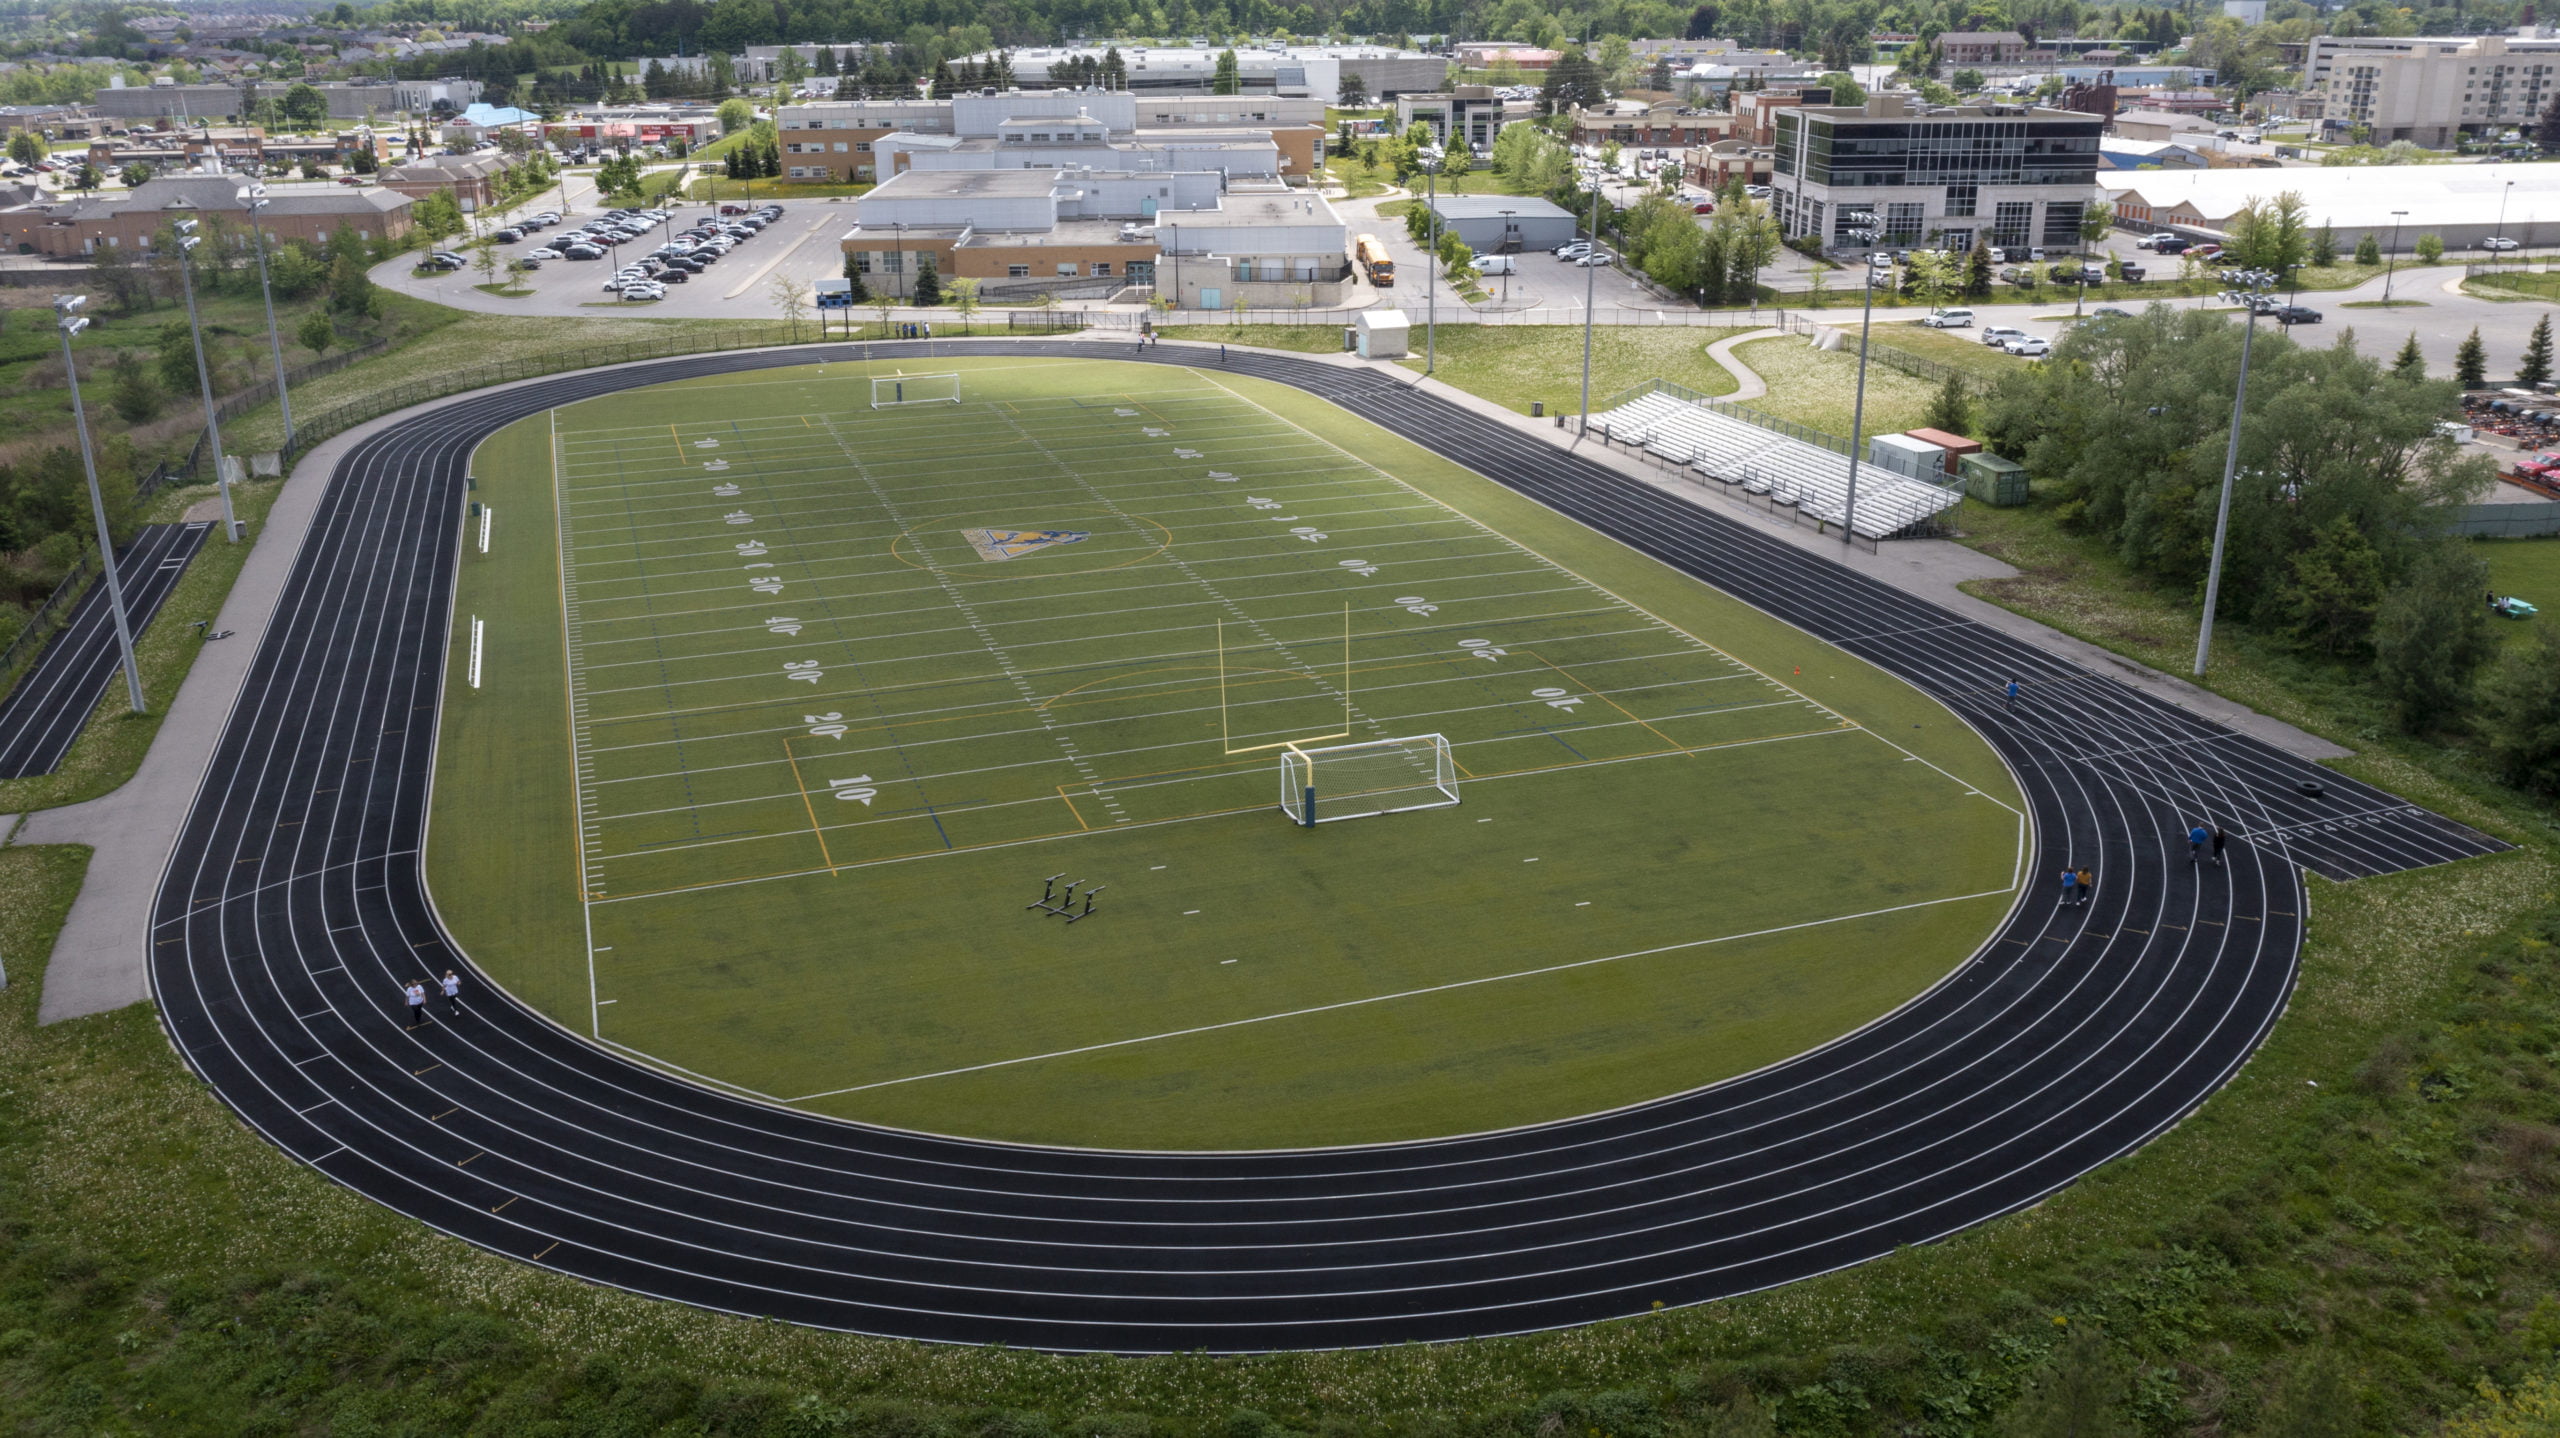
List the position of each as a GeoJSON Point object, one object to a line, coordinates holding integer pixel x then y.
{"type": "Point", "coordinates": [43, 714]}
{"type": "Point", "coordinates": [296, 904]}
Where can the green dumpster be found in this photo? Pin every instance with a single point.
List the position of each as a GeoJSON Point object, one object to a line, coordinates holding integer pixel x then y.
{"type": "Point", "coordinates": [1997, 482]}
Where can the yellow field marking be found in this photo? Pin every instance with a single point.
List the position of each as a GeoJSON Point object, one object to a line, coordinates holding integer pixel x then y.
{"type": "Point", "coordinates": [678, 441]}
{"type": "Point", "coordinates": [1072, 809]}
{"type": "Point", "coordinates": [803, 786]}
{"type": "Point", "coordinates": [1227, 742]}
{"type": "Point", "coordinates": [1568, 676]}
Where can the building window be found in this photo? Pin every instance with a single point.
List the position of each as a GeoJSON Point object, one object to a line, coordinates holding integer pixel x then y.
{"type": "Point", "coordinates": [862, 262]}
{"type": "Point", "coordinates": [839, 147]}
{"type": "Point", "coordinates": [1961, 200]}
{"type": "Point", "coordinates": [1102, 267]}
{"type": "Point", "coordinates": [1017, 272]}
{"type": "Point", "coordinates": [862, 147]}
{"type": "Point", "coordinates": [1067, 268]}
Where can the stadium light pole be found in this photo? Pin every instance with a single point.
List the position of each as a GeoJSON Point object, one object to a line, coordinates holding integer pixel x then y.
{"type": "Point", "coordinates": [1431, 267]}
{"type": "Point", "coordinates": [67, 319]}
{"type": "Point", "coordinates": [1506, 274]}
{"type": "Point", "coordinates": [1858, 410]}
{"type": "Point", "coordinates": [187, 242]}
{"type": "Point", "coordinates": [2230, 471]}
{"type": "Point", "coordinates": [1590, 298]}
{"type": "Point", "coordinates": [275, 340]}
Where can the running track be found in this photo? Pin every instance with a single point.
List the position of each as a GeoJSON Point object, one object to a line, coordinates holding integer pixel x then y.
{"type": "Point", "coordinates": [296, 900]}
{"type": "Point", "coordinates": [43, 714]}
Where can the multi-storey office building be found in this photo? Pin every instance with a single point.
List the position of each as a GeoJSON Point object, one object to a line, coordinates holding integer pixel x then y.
{"type": "Point", "coordinates": [856, 141]}
{"type": "Point", "coordinates": [2428, 90]}
{"type": "Point", "coordinates": [2015, 175]}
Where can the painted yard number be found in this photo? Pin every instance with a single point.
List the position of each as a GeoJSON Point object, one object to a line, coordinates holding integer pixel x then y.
{"type": "Point", "coordinates": [781, 624]}
{"type": "Point", "coordinates": [853, 788]}
{"type": "Point", "coordinates": [808, 670]}
{"type": "Point", "coordinates": [1416, 604]}
{"type": "Point", "coordinates": [1258, 502]}
{"type": "Point", "coordinates": [829, 725]}
{"type": "Point", "coordinates": [1564, 699]}
{"type": "Point", "coordinates": [1361, 567]}
{"type": "Point", "coordinates": [725, 491]}
{"type": "Point", "coordinates": [1309, 532]}
{"type": "Point", "coordinates": [739, 516]}
{"type": "Point", "coordinates": [1481, 648]}
{"type": "Point", "coordinates": [751, 548]}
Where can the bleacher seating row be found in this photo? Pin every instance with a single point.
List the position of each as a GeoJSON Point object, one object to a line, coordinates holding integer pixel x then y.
{"type": "Point", "coordinates": [1790, 471]}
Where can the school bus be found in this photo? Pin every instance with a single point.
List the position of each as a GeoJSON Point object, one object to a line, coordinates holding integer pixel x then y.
{"type": "Point", "coordinates": [1373, 260]}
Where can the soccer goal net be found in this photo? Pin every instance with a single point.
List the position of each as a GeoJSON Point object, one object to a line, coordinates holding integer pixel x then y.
{"type": "Point", "coordinates": [1355, 781]}
{"type": "Point", "coordinates": [897, 389]}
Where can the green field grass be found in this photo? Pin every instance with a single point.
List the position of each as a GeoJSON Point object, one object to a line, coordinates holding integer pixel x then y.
{"type": "Point", "coordinates": [814, 753]}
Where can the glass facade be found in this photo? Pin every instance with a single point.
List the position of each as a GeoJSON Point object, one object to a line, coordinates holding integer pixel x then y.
{"type": "Point", "coordinates": [1861, 152]}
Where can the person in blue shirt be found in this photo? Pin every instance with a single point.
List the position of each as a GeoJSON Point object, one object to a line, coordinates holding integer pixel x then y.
{"type": "Point", "coordinates": [2197, 838]}
{"type": "Point", "coordinates": [2070, 888]}
{"type": "Point", "coordinates": [2013, 693]}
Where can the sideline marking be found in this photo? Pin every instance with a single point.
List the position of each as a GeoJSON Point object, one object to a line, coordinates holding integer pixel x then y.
{"type": "Point", "coordinates": [1405, 994]}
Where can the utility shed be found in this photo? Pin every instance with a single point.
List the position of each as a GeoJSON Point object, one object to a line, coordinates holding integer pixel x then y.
{"type": "Point", "coordinates": [1384, 334]}
{"type": "Point", "coordinates": [2000, 483]}
{"type": "Point", "coordinates": [1956, 445]}
{"type": "Point", "coordinates": [1911, 458]}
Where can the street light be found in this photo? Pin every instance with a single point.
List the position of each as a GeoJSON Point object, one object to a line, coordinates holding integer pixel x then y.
{"type": "Point", "coordinates": [1858, 410]}
{"type": "Point", "coordinates": [187, 241]}
{"type": "Point", "coordinates": [275, 341]}
{"type": "Point", "coordinates": [2391, 260]}
{"type": "Point", "coordinates": [2260, 282]}
{"type": "Point", "coordinates": [2502, 207]}
{"type": "Point", "coordinates": [1506, 237]}
{"type": "Point", "coordinates": [65, 309]}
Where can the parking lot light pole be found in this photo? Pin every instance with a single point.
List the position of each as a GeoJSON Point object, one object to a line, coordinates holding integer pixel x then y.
{"type": "Point", "coordinates": [2230, 471]}
{"type": "Point", "coordinates": [1431, 267]}
{"type": "Point", "coordinates": [187, 242]}
{"type": "Point", "coordinates": [275, 339]}
{"type": "Point", "coordinates": [1858, 410]}
{"type": "Point", "coordinates": [2391, 258]}
{"type": "Point", "coordinates": [2502, 212]}
{"type": "Point", "coordinates": [1515, 264]}
{"type": "Point", "coordinates": [66, 318]}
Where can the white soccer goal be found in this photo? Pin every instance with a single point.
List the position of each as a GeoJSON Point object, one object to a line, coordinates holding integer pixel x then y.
{"type": "Point", "coordinates": [1355, 781]}
{"type": "Point", "coordinates": [896, 389]}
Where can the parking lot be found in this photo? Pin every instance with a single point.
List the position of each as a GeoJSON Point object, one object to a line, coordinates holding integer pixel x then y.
{"type": "Point", "coordinates": [801, 245]}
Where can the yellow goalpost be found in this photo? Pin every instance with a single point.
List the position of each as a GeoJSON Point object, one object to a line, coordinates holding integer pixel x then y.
{"type": "Point", "coordinates": [1226, 735]}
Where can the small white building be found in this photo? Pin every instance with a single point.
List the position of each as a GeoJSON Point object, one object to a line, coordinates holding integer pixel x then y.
{"type": "Point", "coordinates": [1385, 334]}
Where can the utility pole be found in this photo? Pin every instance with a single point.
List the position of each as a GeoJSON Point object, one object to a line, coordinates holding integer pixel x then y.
{"type": "Point", "coordinates": [275, 341]}
{"type": "Point", "coordinates": [187, 242]}
{"type": "Point", "coordinates": [1858, 411]}
{"type": "Point", "coordinates": [1590, 301]}
{"type": "Point", "coordinates": [2230, 471]}
{"type": "Point", "coordinates": [66, 319]}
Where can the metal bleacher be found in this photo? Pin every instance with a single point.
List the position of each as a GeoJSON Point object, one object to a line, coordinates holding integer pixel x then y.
{"type": "Point", "coordinates": [1787, 471]}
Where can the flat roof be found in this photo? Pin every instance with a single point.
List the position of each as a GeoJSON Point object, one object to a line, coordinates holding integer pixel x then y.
{"type": "Point", "coordinates": [1082, 233]}
{"type": "Point", "coordinates": [1491, 207]}
{"type": "Point", "coordinates": [966, 184]}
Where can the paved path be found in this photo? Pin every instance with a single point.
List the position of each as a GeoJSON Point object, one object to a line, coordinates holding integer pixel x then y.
{"type": "Point", "coordinates": [1746, 381]}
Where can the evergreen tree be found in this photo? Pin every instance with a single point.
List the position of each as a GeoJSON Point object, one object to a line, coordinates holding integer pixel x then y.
{"type": "Point", "coordinates": [1951, 409]}
{"type": "Point", "coordinates": [853, 275]}
{"type": "Point", "coordinates": [1228, 79]}
{"type": "Point", "coordinates": [135, 392]}
{"type": "Point", "coordinates": [2471, 362]}
{"type": "Point", "coordinates": [653, 81]}
{"type": "Point", "coordinates": [2431, 636]}
{"type": "Point", "coordinates": [1977, 278]}
{"type": "Point", "coordinates": [826, 61]}
{"type": "Point", "coordinates": [1004, 70]}
{"type": "Point", "coordinates": [944, 82]}
{"type": "Point", "coordinates": [2368, 250]}
{"type": "Point", "coordinates": [2410, 364]}
{"type": "Point", "coordinates": [2537, 355]}
{"type": "Point", "coordinates": [1115, 70]}
{"type": "Point", "coordinates": [928, 283]}
{"type": "Point", "coordinates": [2324, 247]}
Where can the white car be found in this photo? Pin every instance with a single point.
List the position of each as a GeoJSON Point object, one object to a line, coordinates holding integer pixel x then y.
{"type": "Point", "coordinates": [1595, 257]}
{"type": "Point", "coordinates": [2028, 347]}
{"type": "Point", "coordinates": [2499, 244]}
{"type": "Point", "coordinates": [652, 290]}
{"type": "Point", "coordinates": [545, 253]}
{"type": "Point", "coordinates": [1949, 320]}
{"type": "Point", "coordinates": [1999, 336]}
{"type": "Point", "coordinates": [1573, 251]}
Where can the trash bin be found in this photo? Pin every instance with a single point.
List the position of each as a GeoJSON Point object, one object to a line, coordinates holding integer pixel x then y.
{"type": "Point", "coordinates": [1537, 409]}
{"type": "Point", "coordinates": [2000, 483]}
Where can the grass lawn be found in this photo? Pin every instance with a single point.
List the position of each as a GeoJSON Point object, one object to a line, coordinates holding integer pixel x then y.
{"type": "Point", "coordinates": [2522, 285]}
{"type": "Point", "coordinates": [2529, 569]}
{"type": "Point", "coordinates": [1102, 723]}
{"type": "Point", "coordinates": [1818, 388]}
{"type": "Point", "coordinates": [1963, 349]}
{"type": "Point", "coordinates": [1514, 365]}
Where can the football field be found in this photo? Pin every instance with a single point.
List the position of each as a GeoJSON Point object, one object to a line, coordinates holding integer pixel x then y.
{"type": "Point", "coordinates": [791, 707]}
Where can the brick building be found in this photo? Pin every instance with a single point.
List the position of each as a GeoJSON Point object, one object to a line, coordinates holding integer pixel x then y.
{"type": "Point", "coordinates": [132, 220]}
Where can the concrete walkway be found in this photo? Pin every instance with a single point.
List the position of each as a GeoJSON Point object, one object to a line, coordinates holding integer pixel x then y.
{"type": "Point", "coordinates": [1747, 382]}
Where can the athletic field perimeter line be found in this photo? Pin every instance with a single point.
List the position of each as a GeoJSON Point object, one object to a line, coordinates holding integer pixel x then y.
{"type": "Point", "coordinates": [1406, 994]}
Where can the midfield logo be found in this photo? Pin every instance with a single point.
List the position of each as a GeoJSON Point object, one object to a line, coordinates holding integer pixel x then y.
{"type": "Point", "coordinates": [996, 544]}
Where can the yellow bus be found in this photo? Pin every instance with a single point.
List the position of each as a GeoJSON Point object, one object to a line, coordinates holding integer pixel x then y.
{"type": "Point", "coordinates": [1373, 260]}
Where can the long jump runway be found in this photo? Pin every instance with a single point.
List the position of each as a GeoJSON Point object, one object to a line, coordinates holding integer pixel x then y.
{"type": "Point", "coordinates": [296, 905]}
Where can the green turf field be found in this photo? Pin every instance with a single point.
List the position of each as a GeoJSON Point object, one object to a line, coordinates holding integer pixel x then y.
{"type": "Point", "coordinates": [791, 704]}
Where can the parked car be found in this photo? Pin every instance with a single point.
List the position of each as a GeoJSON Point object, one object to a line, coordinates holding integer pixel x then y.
{"type": "Point", "coordinates": [1595, 257]}
{"type": "Point", "coordinates": [528, 263]}
{"type": "Point", "coordinates": [582, 252]}
{"type": "Point", "coordinates": [1950, 320]}
{"type": "Point", "coordinates": [1497, 265]}
{"type": "Point", "coordinates": [508, 237]}
{"type": "Point", "coordinates": [644, 290]}
{"type": "Point", "coordinates": [2295, 315]}
{"type": "Point", "coordinates": [1573, 251]}
{"type": "Point", "coordinates": [736, 209]}
{"type": "Point", "coordinates": [2000, 335]}
{"type": "Point", "coordinates": [671, 276]}
{"type": "Point", "coordinates": [2500, 244]}
{"type": "Point", "coordinates": [2028, 347]}
{"type": "Point", "coordinates": [545, 253]}
{"type": "Point", "coordinates": [2110, 312]}
{"type": "Point", "coordinates": [2131, 272]}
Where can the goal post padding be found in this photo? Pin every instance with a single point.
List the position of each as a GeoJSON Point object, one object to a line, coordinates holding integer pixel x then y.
{"type": "Point", "coordinates": [1357, 781]}
{"type": "Point", "coordinates": [898, 389]}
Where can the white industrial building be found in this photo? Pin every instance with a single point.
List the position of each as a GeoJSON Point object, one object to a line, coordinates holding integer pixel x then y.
{"type": "Point", "coordinates": [1241, 136]}
{"type": "Point", "coordinates": [2459, 204]}
{"type": "Point", "coordinates": [1263, 247]}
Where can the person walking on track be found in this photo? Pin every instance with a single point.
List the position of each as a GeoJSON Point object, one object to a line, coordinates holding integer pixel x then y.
{"type": "Point", "coordinates": [2070, 888]}
{"type": "Point", "coordinates": [452, 994]}
{"type": "Point", "coordinates": [2197, 838]}
{"type": "Point", "coordinates": [2217, 843]}
{"type": "Point", "coordinates": [2088, 882]}
{"type": "Point", "coordinates": [416, 994]}
{"type": "Point", "coordinates": [2013, 693]}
